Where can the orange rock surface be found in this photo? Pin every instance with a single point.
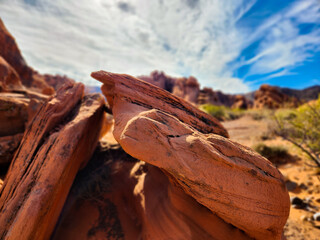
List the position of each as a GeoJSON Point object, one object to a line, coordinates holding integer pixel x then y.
{"type": "Point", "coordinates": [58, 142]}
{"type": "Point", "coordinates": [9, 78]}
{"type": "Point", "coordinates": [8, 145]}
{"type": "Point", "coordinates": [146, 96]}
{"type": "Point", "coordinates": [236, 184]}
{"type": "Point", "coordinates": [123, 198]}
{"type": "Point", "coordinates": [16, 111]}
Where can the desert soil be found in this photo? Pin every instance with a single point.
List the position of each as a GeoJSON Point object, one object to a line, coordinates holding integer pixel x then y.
{"type": "Point", "coordinates": [304, 178]}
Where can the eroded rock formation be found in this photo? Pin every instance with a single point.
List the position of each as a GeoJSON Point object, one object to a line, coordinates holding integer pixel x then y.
{"type": "Point", "coordinates": [186, 88]}
{"type": "Point", "coordinates": [238, 185]}
{"type": "Point", "coordinates": [271, 97]}
{"type": "Point", "coordinates": [22, 92]}
{"type": "Point", "coordinates": [12, 59]}
{"type": "Point", "coordinates": [16, 110]}
{"type": "Point", "coordinates": [124, 198]}
{"type": "Point", "coordinates": [59, 141]}
{"type": "Point", "coordinates": [189, 89]}
{"type": "Point", "coordinates": [9, 78]}
{"type": "Point", "coordinates": [241, 102]}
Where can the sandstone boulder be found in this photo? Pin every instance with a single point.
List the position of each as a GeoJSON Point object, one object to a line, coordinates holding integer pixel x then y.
{"type": "Point", "coordinates": [235, 183]}
{"type": "Point", "coordinates": [142, 94]}
{"type": "Point", "coordinates": [59, 141]}
{"type": "Point", "coordinates": [124, 198]}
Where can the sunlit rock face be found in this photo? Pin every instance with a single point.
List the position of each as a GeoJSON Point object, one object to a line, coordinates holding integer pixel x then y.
{"type": "Point", "coordinates": [56, 144]}
{"type": "Point", "coordinates": [22, 93]}
{"type": "Point", "coordinates": [233, 182]}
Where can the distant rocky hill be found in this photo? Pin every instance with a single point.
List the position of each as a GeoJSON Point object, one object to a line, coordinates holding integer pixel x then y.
{"type": "Point", "coordinates": [265, 97]}
{"type": "Point", "coordinates": [306, 94]}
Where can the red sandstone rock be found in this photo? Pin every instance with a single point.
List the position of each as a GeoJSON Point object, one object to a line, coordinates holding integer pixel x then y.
{"type": "Point", "coordinates": [8, 146]}
{"type": "Point", "coordinates": [144, 95]}
{"type": "Point", "coordinates": [186, 88]}
{"type": "Point", "coordinates": [209, 96]}
{"type": "Point", "coordinates": [123, 198]}
{"type": "Point", "coordinates": [56, 144]}
{"type": "Point", "coordinates": [231, 180]}
{"type": "Point", "coordinates": [13, 113]}
{"type": "Point", "coordinates": [240, 102]}
{"type": "Point", "coordinates": [9, 51]}
{"type": "Point", "coordinates": [271, 97]}
{"type": "Point", "coordinates": [9, 79]}
{"type": "Point", "coordinates": [16, 111]}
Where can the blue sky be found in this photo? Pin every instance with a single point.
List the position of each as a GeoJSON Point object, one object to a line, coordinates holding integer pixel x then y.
{"type": "Point", "coordinates": [230, 45]}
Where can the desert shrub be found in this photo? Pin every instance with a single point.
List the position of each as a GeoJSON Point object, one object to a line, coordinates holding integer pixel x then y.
{"type": "Point", "coordinates": [276, 154]}
{"type": "Point", "coordinates": [259, 114]}
{"type": "Point", "coordinates": [301, 127]}
{"type": "Point", "coordinates": [222, 113]}
{"type": "Point", "coordinates": [215, 111]}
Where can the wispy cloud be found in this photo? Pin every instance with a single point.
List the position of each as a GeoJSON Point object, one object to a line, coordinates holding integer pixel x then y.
{"type": "Point", "coordinates": [135, 37]}
{"type": "Point", "coordinates": [283, 45]}
{"type": "Point", "coordinates": [181, 37]}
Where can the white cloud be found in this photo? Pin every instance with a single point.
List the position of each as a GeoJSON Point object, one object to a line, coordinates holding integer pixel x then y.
{"type": "Point", "coordinates": [135, 37]}
{"type": "Point", "coordinates": [180, 37]}
{"type": "Point", "coordinates": [283, 45]}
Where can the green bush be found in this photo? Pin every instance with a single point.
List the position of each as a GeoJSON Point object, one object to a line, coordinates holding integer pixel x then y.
{"type": "Point", "coordinates": [215, 111]}
{"type": "Point", "coordinates": [301, 127]}
{"type": "Point", "coordinates": [222, 113]}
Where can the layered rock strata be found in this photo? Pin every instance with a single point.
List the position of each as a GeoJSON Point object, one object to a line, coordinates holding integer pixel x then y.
{"type": "Point", "coordinates": [235, 183]}
{"type": "Point", "coordinates": [56, 144]}
{"type": "Point", "coordinates": [22, 92]}
{"type": "Point", "coordinates": [16, 111]}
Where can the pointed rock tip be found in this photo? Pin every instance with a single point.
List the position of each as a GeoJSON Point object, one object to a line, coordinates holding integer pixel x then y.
{"type": "Point", "coordinates": [98, 75]}
{"type": "Point", "coordinates": [105, 77]}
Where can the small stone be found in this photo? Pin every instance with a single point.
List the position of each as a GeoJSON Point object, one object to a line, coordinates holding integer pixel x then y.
{"type": "Point", "coordinates": [297, 202]}
{"type": "Point", "coordinates": [318, 200]}
{"type": "Point", "coordinates": [316, 216]}
{"type": "Point", "coordinates": [303, 186]}
{"type": "Point", "coordinates": [291, 186]}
